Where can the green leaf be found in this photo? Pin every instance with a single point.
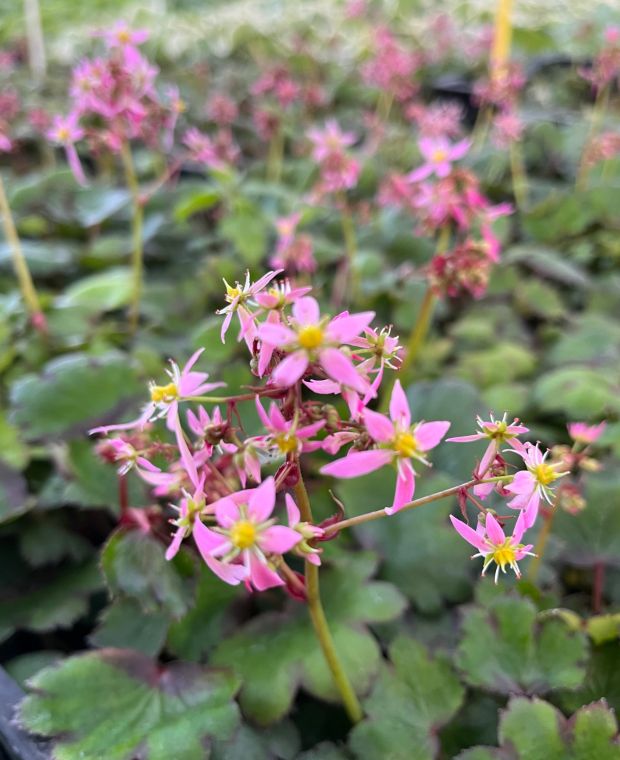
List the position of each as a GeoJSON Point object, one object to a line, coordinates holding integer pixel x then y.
{"type": "Point", "coordinates": [602, 680]}
{"type": "Point", "coordinates": [422, 554]}
{"type": "Point", "coordinates": [72, 393]}
{"type": "Point", "coordinates": [506, 650]}
{"type": "Point", "coordinates": [45, 603]}
{"type": "Point", "coordinates": [280, 741]}
{"type": "Point", "coordinates": [94, 205]}
{"type": "Point", "coordinates": [13, 451]}
{"type": "Point", "coordinates": [535, 730]}
{"type": "Point", "coordinates": [275, 653]}
{"type": "Point", "coordinates": [46, 541]}
{"type": "Point", "coordinates": [43, 257]}
{"type": "Point", "coordinates": [207, 622]}
{"type": "Point", "coordinates": [578, 392]}
{"type": "Point", "coordinates": [247, 230]}
{"type": "Point", "coordinates": [194, 201]}
{"type": "Point", "coordinates": [22, 668]}
{"type": "Point", "coordinates": [593, 535]}
{"type": "Point", "coordinates": [104, 291]}
{"type": "Point", "coordinates": [548, 263]}
{"type": "Point", "coordinates": [407, 705]}
{"type": "Point", "coordinates": [124, 625]}
{"type": "Point", "coordinates": [142, 709]}
{"type": "Point", "coordinates": [14, 499]}
{"type": "Point", "coordinates": [134, 565]}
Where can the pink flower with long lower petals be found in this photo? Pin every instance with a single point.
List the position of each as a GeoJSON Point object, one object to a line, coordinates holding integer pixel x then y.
{"type": "Point", "coordinates": [66, 131]}
{"type": "Point", "coordinates": [284, 436]}
{"type": "Point", "coordinates": [121, 35]}
{"type": "Point", "coordinates": [311, 338]}
{"type": "Point", "coordinates": [238, 297]}
{"type": "Point", "coordinates": [183, 384]}
{"type": "Point", "coordinates": [246, 538]}
{"type": "Point", "coordinates": [496, 432]}
{"type": "Point", "coordinates": [533, 484]}
{"type": "Point", "coordinates": [397, 442]}
{"type": "Point", "coordinates": [439, 154]}
{"type": "Point", "coordinates": [493, 545]}
{"type": "Point", "coordinates": [582, 433]}
{"type": "Point", "coordinates": [127, 457]}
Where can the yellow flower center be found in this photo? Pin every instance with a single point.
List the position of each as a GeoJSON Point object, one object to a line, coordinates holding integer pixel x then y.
{"type": "Point", "coordinates": [164, 393]}
{"type": "Point", "coordinates": [497, 433]}
{"type": "Point", "coordinates": [544, 474]}
{"type": "Point", "coordinates": [62, 134]}
{"type": "Point", "coordinates": [439, 156]}
{"type": "Point", "coordinates": [232, 293]}
{"type": "Point", "coordinates": [505, 554]}
{"type": "Point", "coordinates": [243, 534]}
{"type": "Point", "coordinates": [123, 36]}
{"type": "Point", "coordinates": [310, 337]}
{"type": "Point", "coordinates": [406, 444]}
{"type": "Point", "coordinates": [286, 442]}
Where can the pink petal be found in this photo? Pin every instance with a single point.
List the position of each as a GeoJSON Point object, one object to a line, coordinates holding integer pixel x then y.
{"type": "Point", "coordinates": [487, 459]}
{"type": "Point", "coordinates": [340, 368]}
{"type": "Point", "coordinates": [519, 529]}
{"type": "Point", "coordinates": [307, 431]}
{"type": "Point", "coordinates": [226, 325]}
{"type": "Point", "coordinates": [494, 530]}
{"type": "Point", "coordinates": [399, 406]}
{"type": "Point", "coordinates": [530, 513]}
{"type": "Point", "coordinates": [466, 438]}
{"type": "Point", "coordinates": [276, 335]}
{"type": "Point", "coordinates": [207, 541]}
{"type": "Point", "coordinates": [469, 534]}
{"type": "Point", "coordinates": [405, 487]}
{"type": "Point", "coordinates": [292, 510]}
{"type": "Point", "coordinates": [262, 415]}
{"type": "Point", "coordinates": [278, 539]}
{"type": "Point", "coordinates": [175, 544]}
{"type": "Point", "coordinates": [522, 483]}
{"type": "Point", "coordinates": [429, 434]}
{"type": "Point", "coordinates": [381, 429]}
{"type": "Point", "coordinates": [289, 370]}
{"type": "Point", "coordinates": [261, 576]}
{"type": "Point", "coordinates": [306, 311]}
{"type": "Point", "coordinates": [226, 512]}
{"type": "Point", "coordinates": [262, 500]}
{"type": "Point", "coordinates": [458, 150]}
{"type": "Point", "coordinates": [346, 328]}
{"type": "Point", "coordinates": [358, 463]}
{"type": "Point", "coordinates": [442, 170]}
{"type": "Point", "coordinates": [192, 360]}
{"type": "Point", "coordinates": [422, 172]}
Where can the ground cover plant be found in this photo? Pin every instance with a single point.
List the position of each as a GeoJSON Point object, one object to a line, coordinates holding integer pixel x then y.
{"type": "Point", "coordinates": [310, 347]}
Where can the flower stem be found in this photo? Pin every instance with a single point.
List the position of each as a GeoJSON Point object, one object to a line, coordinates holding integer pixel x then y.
{"type": "Point", "coordinates": [319, 621]}
{"type": "Point", "coordinates": [137, 255]}
{"type": "Point", "coordinates": [276, 152]}
{"type": "Point", "coordinates": [20, 265]}
{"type": "Point", "coordinates": [346, 279]}
{"type": "Point", "coordinates": [379, 513]}
{"type": "Point", "coordinates": [597, 589]}
{"type": "Point", "coordinates": [541, 544]}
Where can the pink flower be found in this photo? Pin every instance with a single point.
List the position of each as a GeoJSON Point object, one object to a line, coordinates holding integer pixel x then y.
{"type": "Point", "coordinates": [582, 433]}
{"type": "Point", "coordinates": [280, 295]}
{"type": "Point", "coordinates": [398, 441]}
{"type": "Point", "coordinates": [533, 483]}
{"type": "Point", "coordinates": [209, 428]}
{"type": "Point", "coordinates": [492, 544]}
{"type": "Point", "coordinates": [165, 399]}
{"type": "Point", "coordinates": [66, 131]}
{"type": "Point", "coordinates": [238, 297]}
{"type": "Point", "coordinates": [128, 457]}
{"type": "Point", "coordinates": [284, 437]}
{"type": "Point", "coordinates": [496, 432]}
{"type": "Point", "coordinates": [439, 154]}
{"type": "Point", "coordinates": [202, 148]}
{"type": "Point", "coordinates": [331, 139]}
{"type": "Point", "coordinates": [245, 539]}
{"type": "Point", "coordinates": [311, 338]}
{"type": "Point", "coordinates": [121, 35]}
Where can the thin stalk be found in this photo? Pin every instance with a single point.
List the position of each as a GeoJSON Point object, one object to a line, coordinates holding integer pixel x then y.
{"type": "Point", "coordinates": [319, 621]}
{"type": "Point", "coordinates": [541, 544]}
{"type": "Point", "coordinates": [597, 589]}
{"type": "Point", "coordinates": [34, 37]}
{"type": "Point", "coordinates": [350, 244]}
{"type": "Point", "coordinates": [276, 152]}
{"type": "Point", "coordinates": [137, 248]}
{"type": "Point", "coordinates": [379, 513]}
{"type": "Point", "coordinates": [418, 334]}
{"type": "Point", "coordinates": [20, 265]}
{"type": "Point", "coordinates": [502, 36]}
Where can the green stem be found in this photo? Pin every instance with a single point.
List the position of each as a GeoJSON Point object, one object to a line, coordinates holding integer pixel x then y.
{"type": "Point", "coordinates": [379, 513]}
{"type": "Point", "coordinates": [541, 544]}
{"type": "Point", "coordinates": [350, 244]}
{"type": "Point", "coordinates": [137, 248]}
{"type": "Point", "coordinates": [20, 265]}
{"type": "Point", "coordinates": [420, 329]}
{"type": "Point", "coordinates": [276, 152]}
{"type": "Point", "coordinates": [319, 621]}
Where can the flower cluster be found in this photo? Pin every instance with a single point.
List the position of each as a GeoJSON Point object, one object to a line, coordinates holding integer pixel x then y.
{"type": "Point", "coordinates": [113, 99]}
{"type": "Point", "coordinates": [339, 171]}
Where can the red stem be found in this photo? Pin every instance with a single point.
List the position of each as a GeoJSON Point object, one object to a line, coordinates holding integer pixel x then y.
{"type": "Point", "coordinates": [597, 588]}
